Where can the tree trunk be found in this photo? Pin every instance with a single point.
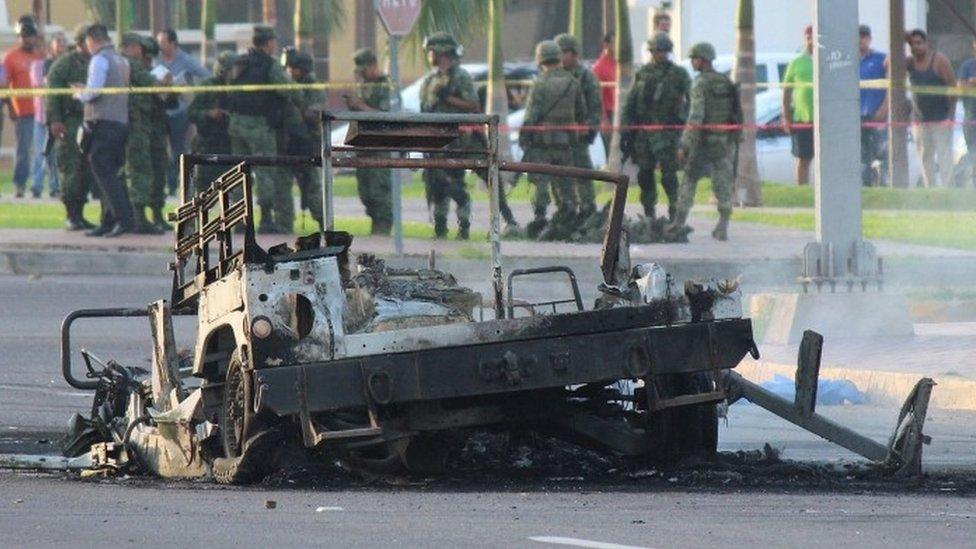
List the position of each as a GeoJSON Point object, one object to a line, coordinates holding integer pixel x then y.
{"type": "Point", "coordinates": [269, 12]}
{"type": "Point", "coordinates": [208, 13]}
{"type": "Point", "coordinates": [576, 19]}
{"type": "Point", "coordinates": [748, 191]}
{"type": "Point", "coordinates": [40, 14]}
{"type": "Point", "coordinates": [497, 97]}
{"type": "Point", "coordinates": [304, 17]}
{"type": "Point", "coordinates": [624, 55]}
{"type": "Point", "coordinates": [123, 17]}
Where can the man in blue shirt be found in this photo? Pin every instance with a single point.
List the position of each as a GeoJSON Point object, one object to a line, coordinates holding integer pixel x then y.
{"type": "Point", "coordinates": [186, 70]}
{"type": "Point", "coordinates": [874, 107]}
{"type": "Point", "coordinates": [967, 79]}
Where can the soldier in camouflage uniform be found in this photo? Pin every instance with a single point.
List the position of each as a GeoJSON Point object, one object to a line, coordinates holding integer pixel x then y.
{"type": "Point", "coordinates": [555, 100]}
{"type": "Point", "coordinates": [302, 135]}
{"type": "Point", "coordinates": [590, 117]}
{"type": "Point", "coordinates": [158, 139]}
{"type": "Point", "coordinates": [208, 111]}
{"type": "Point", "coordinates": [138, 159]}
{"type": "Point", "coordinates": [64, 117]}
{"type": "Point", "coordinates": [254, 117]}
{"type": "Point", "coordinates": [449, 89]}
{"type": "Point", "coordinates": [709, 151]}
{"type": "Point", "coordinates": [657, 97]}
{"type": "Point", "coordinates": [372, 94]}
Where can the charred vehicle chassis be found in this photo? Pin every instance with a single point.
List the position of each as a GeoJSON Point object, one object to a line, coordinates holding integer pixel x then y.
{"type": "Point", "coordinates": [297, 344]}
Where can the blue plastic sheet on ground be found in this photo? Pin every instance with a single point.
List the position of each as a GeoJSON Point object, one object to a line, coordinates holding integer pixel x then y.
{"type": "Point", "coordinates": [829, 391]}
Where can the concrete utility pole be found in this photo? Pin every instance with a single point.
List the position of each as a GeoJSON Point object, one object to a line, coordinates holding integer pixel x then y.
{"type": "Point", "coordinates": [837, 142]}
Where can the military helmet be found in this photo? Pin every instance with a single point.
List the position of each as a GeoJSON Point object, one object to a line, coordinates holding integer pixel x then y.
{"type": "Point", "coordinates": [703, 50]}
{"type": "Point", "coordinates": [301, 60]}
{"type": "Point", "coordinates": [547, 51]}
{"type": "Point", "coordinates": [150, 46]}
{"type": "Point", "coordinates": [225, 62]}
{"type": "Point", "coordinates": [263, 33]}
{"type": "Point", "coordinates": [442, 42]}
{"type": "Point", "coordinates": [660, 42]}
{"type": "Point", "coordinates": [80, 31]}
{"type": "Point", "coordinates": [130, 38]}
{"type": "Point", "coordinates": [363, 58]}
{"type": "Point", "coordinates": [567, 41]}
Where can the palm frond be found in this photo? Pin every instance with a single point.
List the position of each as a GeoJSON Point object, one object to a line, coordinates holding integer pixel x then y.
{"type": "Point", "coordinates": [461, 18]}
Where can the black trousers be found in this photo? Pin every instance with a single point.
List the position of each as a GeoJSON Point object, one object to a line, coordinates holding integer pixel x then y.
{"type": "Point", "coordinates": [107, 157]}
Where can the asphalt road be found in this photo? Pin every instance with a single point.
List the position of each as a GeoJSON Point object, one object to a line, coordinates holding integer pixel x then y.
{"type": "Point", "coordinates": [37, 511]}
{"type": "Point", "coordinates": [51, 510]}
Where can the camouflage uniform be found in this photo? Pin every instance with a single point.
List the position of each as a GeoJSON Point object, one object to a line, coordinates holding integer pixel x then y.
{"type": "Point", "coordinates": [442, 185]}
{"type": "Point", "coordinates": [302, 136]}
{"type": "Point", "coordinates": [158, 140]}
{"type": "Point", "coordinates": [74, 173]}
{"type": "Point", "coordinates": [373, 184]}
{"type": "Point", "coordinates": [139, 161]}
{"type": "Point", "coordinates": [657, 97]}
{"type": "Point", "coordinates": [212, 136]}
{"type": "Point", "coordinates": [555, 100]}
{"type": "Point", "coordinates": [590, 117]}
{"type": "Point", "coordinates": [710, 152]}
{"type": "Point", "coordinates": [252, 132]}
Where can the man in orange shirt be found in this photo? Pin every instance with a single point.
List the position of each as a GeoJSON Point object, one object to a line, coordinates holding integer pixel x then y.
{"type": "Point", "coordinates": [17, 64]}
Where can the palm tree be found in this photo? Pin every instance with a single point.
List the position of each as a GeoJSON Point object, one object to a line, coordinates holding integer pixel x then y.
{"type": "Point", "coordinates": [269, 12]}
{"type": "Point", "coordinates": [747, 186]}
{"type": "Point", "coordinates": [624, 55]}
{"type": "Point", "coordinates": [458, 17]}
{"type": "Point", "coordinates": [317, 20]}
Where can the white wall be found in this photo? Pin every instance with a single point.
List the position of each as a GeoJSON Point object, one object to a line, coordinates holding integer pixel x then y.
{"type": "Point", "coordinates": [779, 23]}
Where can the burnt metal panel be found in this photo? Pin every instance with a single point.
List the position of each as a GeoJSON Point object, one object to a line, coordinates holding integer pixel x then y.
{"type": "Point", "coordinates": [505, 366]}
{"type": "Point", "coordinates": [402, 134]}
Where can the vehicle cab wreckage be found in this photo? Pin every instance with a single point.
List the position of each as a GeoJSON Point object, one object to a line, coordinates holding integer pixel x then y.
{"type": "Point", "coordinates": [300, 344]}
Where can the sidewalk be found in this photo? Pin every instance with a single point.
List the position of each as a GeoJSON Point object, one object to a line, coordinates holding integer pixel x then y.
{"type": "Point", "coordinates": [761, 254]}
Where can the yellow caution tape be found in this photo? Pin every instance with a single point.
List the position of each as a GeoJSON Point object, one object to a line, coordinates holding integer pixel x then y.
{"type": "Point", "coordinates": [6, 93]}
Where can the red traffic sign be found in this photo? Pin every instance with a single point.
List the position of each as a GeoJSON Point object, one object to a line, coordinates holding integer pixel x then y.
{"type": "Point", "coordinates": [398, 16]}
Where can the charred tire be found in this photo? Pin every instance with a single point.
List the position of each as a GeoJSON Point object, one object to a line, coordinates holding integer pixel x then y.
{"type": "Point", "coordinates": [236, 410]}
{"type": "Point", "coordinates": [245, 443]}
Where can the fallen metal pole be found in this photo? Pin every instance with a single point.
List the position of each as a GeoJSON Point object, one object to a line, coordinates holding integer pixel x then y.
{"type": "Point", "coordinates": [815, 423]}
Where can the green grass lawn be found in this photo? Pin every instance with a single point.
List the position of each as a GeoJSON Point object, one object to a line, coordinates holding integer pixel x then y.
{"type": "Point", "coordinates": [933, 228]}
{"type": "Point", "coordinates": [943, 217]}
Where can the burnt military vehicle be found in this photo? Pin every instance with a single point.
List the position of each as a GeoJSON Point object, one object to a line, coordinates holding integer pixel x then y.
{"type": "Point", "coordinates": [303, 344]}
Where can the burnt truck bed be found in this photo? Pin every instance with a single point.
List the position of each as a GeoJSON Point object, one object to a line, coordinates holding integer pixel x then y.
{"type": "Point", "coordinates": [511, 355]}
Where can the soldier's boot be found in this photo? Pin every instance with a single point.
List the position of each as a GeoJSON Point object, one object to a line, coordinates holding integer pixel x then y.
{"type": "Point", "coordinates": [76, 218]}
{"type": "Point", "coordinates": [141, 225]}
{"type": "Point", "coordinates": [464, 229]}
{"type": "Point", "coordinates": [678, 230]}
{"type": "Point", "coordinates": [721, 231]}
{"type": "Point", "coordinates": [536, 226]}
{"type": "Point", "coordinates": [440, 227]}
{"type": "Point", "coordinates": [159, 219]}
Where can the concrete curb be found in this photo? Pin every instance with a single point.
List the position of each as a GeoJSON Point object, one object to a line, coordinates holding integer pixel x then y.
{"type": "Point", "coordinates": [950, 393]}
{"type": "Point", "coordinates": [88, 262]}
